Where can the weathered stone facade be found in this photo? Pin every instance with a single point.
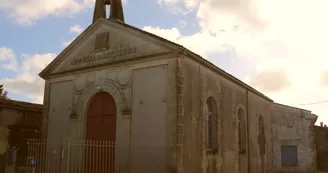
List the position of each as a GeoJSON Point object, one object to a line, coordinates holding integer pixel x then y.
{"type": "Point", "coordinates": [200, 83]}
{"type": "Point", "coordinates": [161, 93]}
{"type": "Point", "coordinates": [293, 127]}
{"type": "Point", "coordinates": [321, 138]}
{"type": "Point", "coordinates": [189, 82]}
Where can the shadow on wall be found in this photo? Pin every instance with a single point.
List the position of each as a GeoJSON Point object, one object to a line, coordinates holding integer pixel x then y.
{"type": "Point", "coordinates": [321, 133]}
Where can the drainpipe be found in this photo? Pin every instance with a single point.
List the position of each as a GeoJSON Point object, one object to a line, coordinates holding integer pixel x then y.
{"type": "Point", "coordinates": [247, 113]}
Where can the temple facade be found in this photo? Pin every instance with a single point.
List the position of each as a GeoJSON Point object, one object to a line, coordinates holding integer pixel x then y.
{"type": "Point", "coordinates": [137, 89]}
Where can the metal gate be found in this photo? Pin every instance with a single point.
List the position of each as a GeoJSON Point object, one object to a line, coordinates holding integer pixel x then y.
{"type": "Point", "coordinates": [89, 156]}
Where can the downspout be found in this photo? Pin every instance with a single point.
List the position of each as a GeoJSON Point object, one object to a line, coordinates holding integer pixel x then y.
{"type": "Point", "coordinates": [247, 113]}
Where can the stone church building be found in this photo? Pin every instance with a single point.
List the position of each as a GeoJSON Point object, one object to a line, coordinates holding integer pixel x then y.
{"type": "Point", "coordinates": [118, 83]}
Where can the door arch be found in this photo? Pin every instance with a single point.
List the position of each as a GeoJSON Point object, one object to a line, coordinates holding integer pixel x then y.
{"type": "Point", "coordinates": [101, 118]}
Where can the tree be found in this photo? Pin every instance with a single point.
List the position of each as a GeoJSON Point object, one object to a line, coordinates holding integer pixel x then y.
{"type": "Point", "coordinates": [3, 93]}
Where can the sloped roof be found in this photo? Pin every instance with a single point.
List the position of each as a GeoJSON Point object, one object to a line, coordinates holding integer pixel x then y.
{"type": "Point", "coordinates": [203, 61]}
{"type": "Point", "coordinates": [292, 107]}
{"type": "Point", "coordinates": [21, 105]}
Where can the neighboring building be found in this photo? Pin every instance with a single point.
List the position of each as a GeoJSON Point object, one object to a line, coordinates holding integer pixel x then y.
{"type": "Point", "coordinates": [293, 139]}
{"type": "Point", "coordinates": [321, 134]}
{"type": "Point", "coordinates": [3, 147]}
{"type": "Point", "coordinates": [16, 119]}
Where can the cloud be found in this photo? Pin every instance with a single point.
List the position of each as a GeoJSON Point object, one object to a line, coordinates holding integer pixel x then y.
{"type": "Point", "coordinates": [77, 29]}
{"type": "Point", "coordinates": [68, 42]}
{"type": "Point", "coordinates": [194, 42]}
{"type": "Point", "coordinates": [178, 10]}
{"type": "Point", "coordinates": [182, 24]}
{"type": "Point", "coordinates": [274, 80]}
{"type": "Point", "coordinates": [6, 53]}
{"type": "Point", "coordinates": [8, 59]}
{"type": "Point", "coordinates": [27, 11]}
{"type": "Point", "coordinates": [324, 79]}
{"type": "Point", "coordinates": [172, 34]}
{"type": "Point", "coordinates": [276, 43]}
{"type": "Point", "coordinates": [27, 82]}
{"type": "Point", "coordinates": [37, 62]}
{"type": "Point", "coordinates": [190, 4]}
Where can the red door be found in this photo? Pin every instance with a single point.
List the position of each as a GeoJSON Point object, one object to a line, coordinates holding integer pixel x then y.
{"type": "Point", "coordinates": [101, 134]}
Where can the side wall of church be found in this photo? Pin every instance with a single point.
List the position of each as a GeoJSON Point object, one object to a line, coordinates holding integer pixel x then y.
{"type": "Point", "coordinates": [258, 107]}
{"type": "Point", "coordinates": [198, 83]}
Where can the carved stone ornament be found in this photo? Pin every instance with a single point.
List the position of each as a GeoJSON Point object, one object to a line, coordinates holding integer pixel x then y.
{"type": "Point", "coordinates": [126, 111]}
{"type": "Point", "coordinates": [123, 77]}
{"type": "Point", "coordinates": [73, 116]}
{"type": "Point", "coordinates": [79, 84]}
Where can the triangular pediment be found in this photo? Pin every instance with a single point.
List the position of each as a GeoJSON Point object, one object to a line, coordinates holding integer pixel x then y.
{"type": "Point", "coordinates": [107, 42]}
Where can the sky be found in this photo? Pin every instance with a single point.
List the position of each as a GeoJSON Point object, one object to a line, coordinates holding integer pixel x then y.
{"type": "Point", "coordinates": [276, 46]}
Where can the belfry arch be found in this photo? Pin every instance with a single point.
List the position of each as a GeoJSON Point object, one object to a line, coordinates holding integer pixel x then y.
{"type": "Point", "coordinates": [116, 10]}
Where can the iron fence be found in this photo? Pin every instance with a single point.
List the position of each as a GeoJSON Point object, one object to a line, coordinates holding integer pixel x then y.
{"type": "Point", "coordinates": [91, 156]}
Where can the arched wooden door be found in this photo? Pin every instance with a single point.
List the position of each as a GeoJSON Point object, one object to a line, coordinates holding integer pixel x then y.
{"type": "Point", "coordinates": [101, 134]}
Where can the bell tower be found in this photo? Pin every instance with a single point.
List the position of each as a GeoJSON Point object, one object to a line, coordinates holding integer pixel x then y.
{"type": "Point", "coordinates": [116, 10]}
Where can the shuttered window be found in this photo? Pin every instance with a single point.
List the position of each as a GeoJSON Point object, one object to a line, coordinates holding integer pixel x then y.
{"type": "Point", "coordinates": [289, 156]}
{"type": "Point", "coordinates": [211, 125]}
{"type": "Point", "coordinates": [102, 40]}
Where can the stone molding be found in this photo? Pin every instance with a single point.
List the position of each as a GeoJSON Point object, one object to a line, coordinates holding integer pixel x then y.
{"type": "Point", "coordinates": [180, 113]}
{"type": "Point", "coordinates": [46, 105]}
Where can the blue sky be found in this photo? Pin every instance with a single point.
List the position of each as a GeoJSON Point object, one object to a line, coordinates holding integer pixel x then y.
{"type": "Point", "coordinates": [250, 40]}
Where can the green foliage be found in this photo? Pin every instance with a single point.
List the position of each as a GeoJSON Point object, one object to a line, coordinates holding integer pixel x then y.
{"type": "Point", "coordinates": [3, 93]}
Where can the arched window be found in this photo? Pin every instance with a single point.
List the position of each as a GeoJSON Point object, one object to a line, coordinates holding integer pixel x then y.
{"type": "Point", "coordinates": [242, 131]}
{"type": "Point", "coordinates": [211, 124]}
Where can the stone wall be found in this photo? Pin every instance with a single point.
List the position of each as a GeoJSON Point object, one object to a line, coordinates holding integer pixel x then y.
{"type": "Point", "coordinates": [198, 83]}
{"type": "Point", "coordinates": [12, 115]}
{"type": "Point", "coordinates": [293, 127]}
{"type": "Point", "coordinates": [8, 116]}
{"type": "Point", "coordinates": [134, 86]}
{"type": "Point", "coordinates": [3, 146]}
{"type": "Point", "coordinates": [321, 134]}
